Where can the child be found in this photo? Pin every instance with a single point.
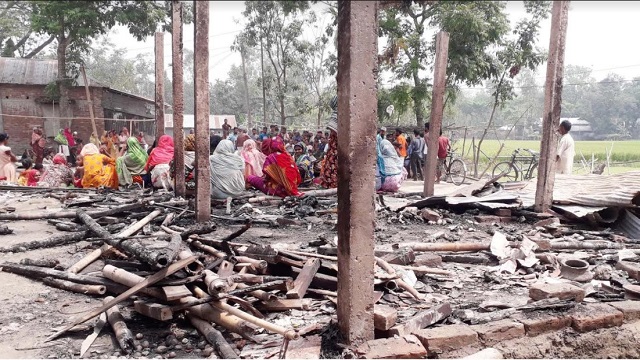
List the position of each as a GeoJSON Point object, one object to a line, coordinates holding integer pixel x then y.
{"type": "Point", "coordinates": [31, 175]}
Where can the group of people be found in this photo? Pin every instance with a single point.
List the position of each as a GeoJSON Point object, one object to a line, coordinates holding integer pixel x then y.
{"type": "Point", "coordinates": [274, 161]}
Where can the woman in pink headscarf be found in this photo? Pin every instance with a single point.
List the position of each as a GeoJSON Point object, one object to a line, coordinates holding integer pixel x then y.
{"type": "Point", "coordinates": [253, 159]}
{"type": "Point", "coordinates": [158, 163]}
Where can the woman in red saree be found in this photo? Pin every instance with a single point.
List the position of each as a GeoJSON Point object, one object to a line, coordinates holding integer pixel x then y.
{"type": "Point", "coordinates": [38, 143]}
{"type": "Point", "coordinates": [280, 173]}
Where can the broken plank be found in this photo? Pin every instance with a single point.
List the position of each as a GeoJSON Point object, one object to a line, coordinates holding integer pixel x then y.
{"type": "Point", "coordinates": [422, 320]}
{"type": "Point", "coordinates": [172, 293]}
{"type": "Point", "coordinates": [284, 304]}
{"type": "Point", "coordinates": [304, 279]}
{"type": "Point", "coordinates": [153, 310]}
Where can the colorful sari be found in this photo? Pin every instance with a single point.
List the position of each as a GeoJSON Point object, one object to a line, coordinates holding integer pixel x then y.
{"type": "Point", "coordinates": [253, 159]}
{"type": "Point", "coordinates": [7, 167]}
{"type": "Point", "coordinates": [99, 169]}
{"type": "Point", "coordinates": [329, 169]}
{"type": "Point", "coordinates": [57, 175]}
{"type": "Point", "coordinates": [281, 176]}
{"type": "Point", "coordinates": [158, 163]}
{"type": "Point", "coordinates": [29, 177]}
{"type": "Point", "coordinates": [305, 165]}
{"type": "Point", "coordinates": [390, 171]}
{"type": "Point", "coordinates": [130, 167]}
{"type": "Point", "coordinates": [37, 145]}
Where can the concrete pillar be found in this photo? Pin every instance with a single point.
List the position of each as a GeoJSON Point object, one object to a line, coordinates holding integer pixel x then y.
{"type": "Point", "coordinates": [552, 102]}
{"type": "Point", "coordinates": [437, 108]}
{"type": "Point", "coordinates": [201, 86]}
{"type": "Point", "coordinates": [159, 49]}
{"type": "Point", "coordinates": [357, 119]}
{"type": "Point", "coordinates": [178, 96]}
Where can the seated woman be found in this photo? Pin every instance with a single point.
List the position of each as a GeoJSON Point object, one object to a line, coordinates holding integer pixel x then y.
{"type": "Point", "coordinates": [281, 176]}
{"type": "Point", "coordinates": [253, 159]}
{"type": "Point", "coordinates": [390, 172]}
{"type": "Point", "coordinates": [304, 163]}
{"type": "Point", "coordinates": [157, 167]}
{"type": "Point", "coordinates": [130, 166]}
{"type": "Point", "coordinates": [99, 169]}
{"type": "Point", "coordinates": [31, 174]}
{"type": "Point", "coordinates": [59, 174]}
{"type": "Point", "coordinates": [7, 160]}
{"type": "Point", "coordinates": [227, 171]}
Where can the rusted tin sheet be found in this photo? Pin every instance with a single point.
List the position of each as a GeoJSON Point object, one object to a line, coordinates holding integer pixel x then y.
{"type": "Point", "coordinates": [20, 71]}
{"type": "Point", "coordinates": [630, 224]}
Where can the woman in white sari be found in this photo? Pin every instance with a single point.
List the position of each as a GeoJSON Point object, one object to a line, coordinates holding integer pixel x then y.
{"type": "Point", "coordinates": [390, 172]}
{"type": "Point", "coordinates": [7, 160]}
{"type": "Point", "coordinates": [227, 171]}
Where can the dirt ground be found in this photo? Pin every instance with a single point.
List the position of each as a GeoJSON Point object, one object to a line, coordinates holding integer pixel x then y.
{"type": "Point", "coordinates": [31, 311]}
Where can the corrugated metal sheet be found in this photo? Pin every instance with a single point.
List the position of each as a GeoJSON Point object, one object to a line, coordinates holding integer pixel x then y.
{"type": "Point", "coordinates": [630, 224]}
{"type": "Point", "coordinates": [620, 190]}
{"type": "Point", "coordinates": [20, 71]}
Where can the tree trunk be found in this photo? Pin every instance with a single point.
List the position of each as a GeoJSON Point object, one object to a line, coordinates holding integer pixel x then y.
{"type": "Point", "coordinates": [417, 101]}
{"type": "Point", "coordinates": [246, 88]}
{"type": "Point", "coordinates": [65, 109]}
{"type": "Point", "coordinates": [283, 118]}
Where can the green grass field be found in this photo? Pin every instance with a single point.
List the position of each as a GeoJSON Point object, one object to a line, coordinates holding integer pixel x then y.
{"type": "Point", "coordinates": [624, 157]}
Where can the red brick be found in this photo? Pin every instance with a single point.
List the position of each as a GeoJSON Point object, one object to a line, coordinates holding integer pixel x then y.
{"type": "Point", "coordinates": [541, 291]}
{"type": "Point", "coordinates": [543, 323]}
{"type": "Point", "coordinates": [405, 347]}
{"type": "Point", "coordinates": [496, 331]}
{"type": "Point", "coordinates": [492, 219]}
{"type": "Point", "coordinates": [630, 309]}
{"type": "Point", "coordinates": [447, 338]}
{"type": "Point", "coordinates": [430, 215]}
{"type": "Point", "coordinates": [595, 316]}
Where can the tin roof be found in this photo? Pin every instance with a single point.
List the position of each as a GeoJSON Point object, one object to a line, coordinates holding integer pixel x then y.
{"type": "Point", "coordinates": [21, 71]}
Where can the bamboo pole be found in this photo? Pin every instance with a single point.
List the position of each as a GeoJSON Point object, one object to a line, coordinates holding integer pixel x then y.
{"type": "Point", "coordinates": [89, 101]}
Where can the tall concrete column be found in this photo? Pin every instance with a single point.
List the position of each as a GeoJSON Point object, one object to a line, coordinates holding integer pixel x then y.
{"type": "Point", "coordinates": [178, 96]}
{"type": "Point", "coordinates": [201, 86]}
{"type": "Point", "coordinates": [552, 102]}
{"type": "Point", "coordinates": [159, 50]}
{"type": "Point", "coordinates": [437, 108]}
{"type": "Point", "coordinates": [357, 119]}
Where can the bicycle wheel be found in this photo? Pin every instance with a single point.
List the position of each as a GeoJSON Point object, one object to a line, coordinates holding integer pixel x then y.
{"type": "Point", "coordinates": [457, 171]}
{"type": "Point", "coordinates": [533, 172]}
{"type": "Point", "coordinates": [506, 168]}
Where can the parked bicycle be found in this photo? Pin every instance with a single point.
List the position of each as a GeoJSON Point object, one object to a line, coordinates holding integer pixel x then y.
{"type": "Point", "coordinates": [519, 167]}
{"type": "Point", "coordinates": [455, 169]}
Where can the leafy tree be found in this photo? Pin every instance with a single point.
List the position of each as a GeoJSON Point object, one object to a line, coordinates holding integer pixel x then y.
{"type": "Point", "coordinates": [16, 33]}
{"type": "Point", "coordinates": [75, 23]}
{"type": "Point", "coordinates": [276, 25]}
{"type": "Point", "coordinates": [474, 28]}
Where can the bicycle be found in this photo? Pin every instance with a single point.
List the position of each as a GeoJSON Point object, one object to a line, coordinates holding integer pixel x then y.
{"type": "Point", "coordinates": [455, 169]}
{"type": "Point", "coordinates": [514, 169]}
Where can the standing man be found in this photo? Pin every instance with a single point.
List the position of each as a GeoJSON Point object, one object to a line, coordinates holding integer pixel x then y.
{"type": "Point", "coordinates": [225, 129]}
{"type": "Point", "coordinates": [443, 149]}
{"type": "Point", "coordinates": [417, 150]}
{"type": "Point", "coordinates": [254, 134]}
{"type": "Point", "coordinates": [242, 138]}
{"type": "Point", "coordinates": [402, 150]}
{"type": "Point", "coordinates": [566, 149]}
{"type": "Point", "coordinates": [233, 136]}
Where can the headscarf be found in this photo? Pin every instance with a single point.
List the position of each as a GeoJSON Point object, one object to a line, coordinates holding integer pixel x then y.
{"type": "Point", "coordinates": [227, 169]}
{"type": "Point", "coordinates": [280, 168]}
{"type": "Point", "coordinates": [214, 140]}
{"type": "Point", "coordinates": [389, 163]}
{"type": "Point", "coordinates": [135, 151]}
{"type": "Point", "coordinates": [252, 157]}
{"type": "Point", "coordinates": [266, 146]}
{"type": "Point", "coordinates": [59, 159]}
{"type": "Point", "coordinates": [190, 143]}
{"type": "Point", "coordinates": [161, 154]}
{"type": "Point", "coordinates": [35, 136]}
{"type": "Point", "coordinates": [70, 140]}
{"type": "Point", "coordinates": [89, 149]}
{"type": "Point", "coordinates": [277, 145]}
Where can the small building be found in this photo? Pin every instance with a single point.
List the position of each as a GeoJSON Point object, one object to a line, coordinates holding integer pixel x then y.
{"type": "Point", "coordinates": [24, 104]}
{"type": "Point", "coordinates": [188, 123]}
{"type": "Point", "coordinates": [580, 129]}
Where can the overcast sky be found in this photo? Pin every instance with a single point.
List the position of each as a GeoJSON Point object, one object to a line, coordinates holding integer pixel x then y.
{"type": "Point", "coordinates": [601, 35]}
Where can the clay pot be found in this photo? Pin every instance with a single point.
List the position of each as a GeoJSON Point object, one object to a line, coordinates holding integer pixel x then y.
{"type": "Point", "coordinates": [576, 270]}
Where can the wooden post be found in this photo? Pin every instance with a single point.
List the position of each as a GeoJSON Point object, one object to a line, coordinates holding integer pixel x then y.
{"type": "Point", "coordinates": [357, 120]}
{"type": "Point", "coordinates": [437, 108]}
{"type": "Point", "coordinates": [86, 89]}
{"type": "Point", "coordinates": [178, 97]}
{"type": "Point", "coordinates": [201, 87]}
{"type": "Point", "coordinates": [552, 101]}
{"type": "Point", "coordinates": [159, 49]}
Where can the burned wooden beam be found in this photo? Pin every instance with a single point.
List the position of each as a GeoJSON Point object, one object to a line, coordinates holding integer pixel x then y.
{"type": "Point", "coordinates": [120, 329]}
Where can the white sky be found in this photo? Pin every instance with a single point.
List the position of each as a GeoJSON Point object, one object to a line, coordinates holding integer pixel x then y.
{"type": "Point", "coordinates": [601, 35]}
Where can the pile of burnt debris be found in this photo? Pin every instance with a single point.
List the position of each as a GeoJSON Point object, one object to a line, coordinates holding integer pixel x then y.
{"type": "Point", "coordinates": [478, 256]}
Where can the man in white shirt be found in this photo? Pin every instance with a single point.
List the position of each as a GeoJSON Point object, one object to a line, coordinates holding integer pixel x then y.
{"type": "Point", "coordinates": [566, 149]}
